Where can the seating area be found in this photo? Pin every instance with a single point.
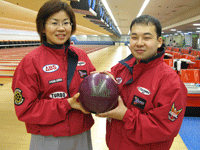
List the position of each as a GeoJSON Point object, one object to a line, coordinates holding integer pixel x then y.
{"type": "Point", "coordinates": [186, 53]}
{"type": "Point", "coordinates": [189, 72]}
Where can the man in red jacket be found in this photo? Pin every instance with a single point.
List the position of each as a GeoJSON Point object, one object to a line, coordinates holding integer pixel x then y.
{"type": "Point", "coordinates": [152, 97]}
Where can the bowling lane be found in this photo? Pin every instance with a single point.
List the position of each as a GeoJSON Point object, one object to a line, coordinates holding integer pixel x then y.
{"type": "Point", "coordinates": [103, 60]}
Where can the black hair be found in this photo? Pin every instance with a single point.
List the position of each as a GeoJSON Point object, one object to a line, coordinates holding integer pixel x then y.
{"type": "Point", "coordinates": [148, 20]}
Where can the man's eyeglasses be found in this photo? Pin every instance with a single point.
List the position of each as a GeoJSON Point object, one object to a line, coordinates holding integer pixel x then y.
{"type": "Point", "coordinates": [57, 25]}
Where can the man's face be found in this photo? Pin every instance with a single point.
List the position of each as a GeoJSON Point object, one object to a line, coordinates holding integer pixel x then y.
{"type": "Point", "coordinates": [144, 42]}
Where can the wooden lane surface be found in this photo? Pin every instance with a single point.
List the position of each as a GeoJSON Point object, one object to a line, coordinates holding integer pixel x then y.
{"type": "Point", "coordinates": [13, 134]}
{"type": "Point", "coordinates": [2, 68]}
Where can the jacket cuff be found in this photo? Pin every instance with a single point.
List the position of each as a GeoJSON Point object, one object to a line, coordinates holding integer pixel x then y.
{"type": "Point", "coordinates": [67, 106]}
{"type": "Point", "coordinates": [127, 116]}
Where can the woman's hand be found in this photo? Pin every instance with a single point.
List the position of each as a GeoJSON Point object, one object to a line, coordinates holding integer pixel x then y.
{"type": "Point", "coordinates": [75, 104]}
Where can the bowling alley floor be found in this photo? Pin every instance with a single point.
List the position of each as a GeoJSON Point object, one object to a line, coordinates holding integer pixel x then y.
{"type": "Point", "coordinates": [13, 134]}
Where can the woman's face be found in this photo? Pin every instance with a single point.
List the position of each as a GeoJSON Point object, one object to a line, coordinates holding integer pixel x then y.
{"type": "Point", "coordinates": [58, 28]}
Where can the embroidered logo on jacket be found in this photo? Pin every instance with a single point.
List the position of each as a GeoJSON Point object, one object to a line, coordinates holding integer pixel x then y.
{"type": "Point", "coordinates": [50, 68]}
{"type": "Point", "coordinates": [18, 98]}
{"type": "Point", "coordinates": [81, 63]}
{"type": "Point", "coordinates": [173, 113]}
{"type": "Point", "coordinates": [58, 95]}
{"type": "Point", "coordinates": [143, 91]}
{"type": "Point", "coordinates": [82, 73]}
{"type": "Point", "coordinates": [55, 81]}
{"type": "Point", "coordinates": [119, 80]}
{"type": "Point", "coordinates": [138, 102]}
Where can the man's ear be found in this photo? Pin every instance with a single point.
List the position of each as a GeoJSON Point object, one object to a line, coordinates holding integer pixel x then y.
{"type": "Point", "coordinates": [160, 41]}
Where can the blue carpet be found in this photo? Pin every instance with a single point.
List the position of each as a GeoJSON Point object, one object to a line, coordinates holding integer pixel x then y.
{"type": "Point", "coordinates": [190, 132]}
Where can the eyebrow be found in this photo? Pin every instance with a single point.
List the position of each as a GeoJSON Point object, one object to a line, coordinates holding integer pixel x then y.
{"type": "Point", "coordinates": [58, 20]}
{"type": "Point", "coordinates": [147, 33]}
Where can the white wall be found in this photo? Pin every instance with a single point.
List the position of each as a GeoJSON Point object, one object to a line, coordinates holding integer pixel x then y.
{"type": "Point", "coordinates": [9, 34]}
{"type": "Point", "coordinates": [188, 40]}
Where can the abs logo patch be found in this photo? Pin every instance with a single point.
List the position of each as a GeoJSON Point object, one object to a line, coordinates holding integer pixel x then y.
{"type": "Point", "coordinates": [50, 68]}
{"type": "Point", "coordinates": [138, 102]}
{"type": "Point", "coordinates": [173, 113]}
{"type": "Point", "coordinates": [18, 98]}
{"type": "Point", "coordinates": [58, 95]}
{"type": "Point", "coordinates": [81, 63]}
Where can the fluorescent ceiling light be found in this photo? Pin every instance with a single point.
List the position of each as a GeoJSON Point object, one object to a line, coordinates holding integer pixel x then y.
{"type": "Point", "coordinates": [143, 7]}
{"type": "Point", "coordinates": [173, 29]}
{"type": "Point", "coordinates": [189, 32]}
{"type": "Point", "coordinates": [198, 28]}
{"type": "Point", "coordinates": [179, 31]}
{"type": "Point", "coordinates": [197, 31]}
{"type": "Point", "coordinates": [18, 32]}
{"type": "Point", "coordinates": [141, 10]}
{"type": "Point", "coordinates": [196, 24]}
{"type": "Point", "coordinates": [110, 13]}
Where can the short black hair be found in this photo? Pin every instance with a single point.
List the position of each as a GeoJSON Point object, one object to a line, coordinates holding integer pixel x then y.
{"type": "Point", "coordinates": [148, 20]}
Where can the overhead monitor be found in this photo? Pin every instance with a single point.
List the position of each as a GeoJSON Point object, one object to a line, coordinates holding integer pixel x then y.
{"type": "Point", "coordinates": [84, 7]}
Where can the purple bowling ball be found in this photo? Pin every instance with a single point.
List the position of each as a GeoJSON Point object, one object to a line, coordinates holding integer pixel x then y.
{"type": "Point", "coordinates": [98, 93]}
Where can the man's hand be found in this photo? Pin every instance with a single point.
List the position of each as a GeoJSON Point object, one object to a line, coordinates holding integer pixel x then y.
{"type": "Point", "coordinates": [117, 113]}
{"type": "Point", "coordinates": [109, 74]}
{"type": "Point", "coordinates": [77, 105]}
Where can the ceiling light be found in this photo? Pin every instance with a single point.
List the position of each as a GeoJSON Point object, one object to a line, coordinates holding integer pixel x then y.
{"type": "Point", "coordinates": [197, 31]}
{"type": "Point", "coordinates": [173, 29]}
{"type": "Point", "coordinates": [198, 28]}
{"type": "Point", "coordinates": [111, 15]}
{"type": "Point", "coordinates": [179, 31]}
{"type": "Point", "coordinates": [143, 7]}
{"type": "Point", "coordinates": [196, 24]}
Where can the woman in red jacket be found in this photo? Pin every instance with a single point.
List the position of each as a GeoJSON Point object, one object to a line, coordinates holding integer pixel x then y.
{"type": "Point", "coordinates": [153, 98]}
{"type": "Point", "coordinates": [46, 83]}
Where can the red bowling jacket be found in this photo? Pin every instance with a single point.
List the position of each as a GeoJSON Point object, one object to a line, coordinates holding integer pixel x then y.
{"type": "Point", "coordinates": [156, 101]}
{"type": "Point", "coordinates": [42, 83]}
